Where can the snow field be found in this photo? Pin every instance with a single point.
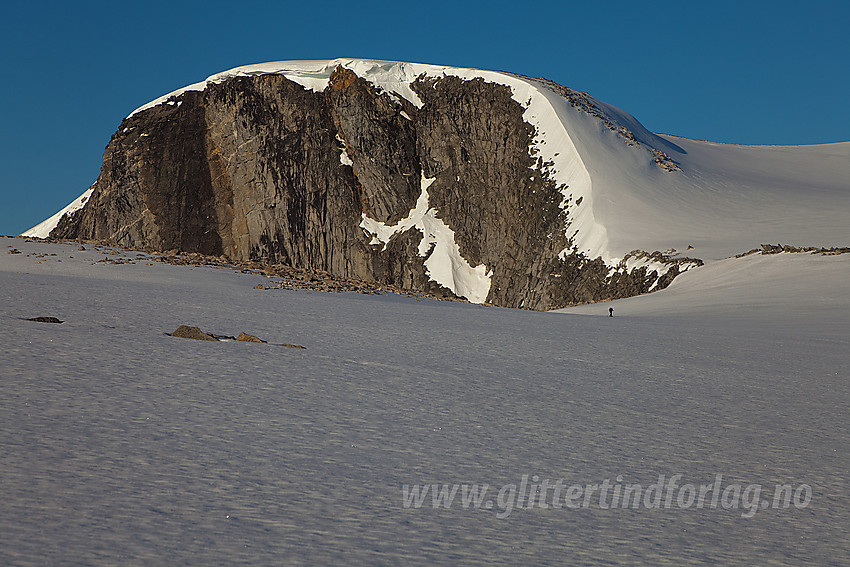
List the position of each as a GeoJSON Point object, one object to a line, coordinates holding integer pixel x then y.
{"type": "Point", "coordinates": [121, 444]}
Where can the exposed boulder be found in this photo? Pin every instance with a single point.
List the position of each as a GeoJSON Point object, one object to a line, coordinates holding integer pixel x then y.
{"type": "Point", "coordinates": [187, 332]}
{"type": "Point", "coordinates": [245, 337]}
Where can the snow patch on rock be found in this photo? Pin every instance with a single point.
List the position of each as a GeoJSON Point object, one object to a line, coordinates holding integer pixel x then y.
{"type": "Point", "coordinates": [444, 263]}
{"type": "Point", "coordinates": [344, 158]}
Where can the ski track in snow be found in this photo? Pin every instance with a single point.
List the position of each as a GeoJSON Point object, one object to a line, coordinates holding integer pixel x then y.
{"type": "Point", "coordinates": [119, 444]}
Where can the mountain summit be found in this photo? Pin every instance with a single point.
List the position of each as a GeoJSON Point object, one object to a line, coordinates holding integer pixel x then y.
{"type": "Point", "coordinates": [491, 186]}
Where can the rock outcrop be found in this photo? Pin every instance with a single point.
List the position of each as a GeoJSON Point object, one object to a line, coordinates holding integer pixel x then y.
{"type": "Point", "coordinates": [261, 168]}
{"type": "Point", "coordinates": [189, 332]}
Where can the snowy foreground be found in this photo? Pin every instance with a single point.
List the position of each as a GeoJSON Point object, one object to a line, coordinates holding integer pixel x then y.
{"type": "Point", "coordinates": [122, 445]}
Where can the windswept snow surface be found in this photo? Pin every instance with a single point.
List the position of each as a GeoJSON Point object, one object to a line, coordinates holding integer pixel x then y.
{"type": "Point", "coordinates": [120, 444]}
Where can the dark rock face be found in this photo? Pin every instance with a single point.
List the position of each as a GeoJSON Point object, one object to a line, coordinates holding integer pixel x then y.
{"type": "Point", "coordinates": [380, 142]}
{"type": "Point", "coordinates": [475, 143]}
{"type": "Point", "coordinates": [260, 168]}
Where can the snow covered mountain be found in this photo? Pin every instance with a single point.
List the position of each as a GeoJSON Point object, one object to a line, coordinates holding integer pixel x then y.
{"type": "Point", "coordinates": [492, 186]}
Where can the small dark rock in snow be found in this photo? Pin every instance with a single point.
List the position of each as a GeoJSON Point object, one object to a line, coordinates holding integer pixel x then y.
{"type": "Point", "coordinates": [45, 320]}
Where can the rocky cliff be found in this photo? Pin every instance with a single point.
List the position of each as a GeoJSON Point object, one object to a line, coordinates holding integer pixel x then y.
{"type": "Point", "coordinates": [440, 188]}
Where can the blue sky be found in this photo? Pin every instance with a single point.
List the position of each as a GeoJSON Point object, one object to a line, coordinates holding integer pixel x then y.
{"type": "Point", "coordinates": [737, 72]}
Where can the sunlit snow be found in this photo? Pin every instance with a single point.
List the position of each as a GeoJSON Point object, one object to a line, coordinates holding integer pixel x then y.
{"type": "Point", "coordinates": [122, 445]}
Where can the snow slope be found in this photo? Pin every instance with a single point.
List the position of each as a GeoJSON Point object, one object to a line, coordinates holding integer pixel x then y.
{"type": "Point", "coordinates": [805, 286]}
{"type": "Point", "coordinates": [119, 444]}
{"type": "Point", "coordinates": [723, 199]}
{"type": "Point", "coordinates": [42, 230]}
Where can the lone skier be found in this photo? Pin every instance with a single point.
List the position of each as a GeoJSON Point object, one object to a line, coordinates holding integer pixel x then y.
{"type": "Point", "coordinates": [610, 311]}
